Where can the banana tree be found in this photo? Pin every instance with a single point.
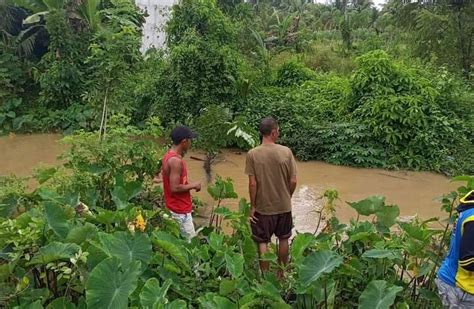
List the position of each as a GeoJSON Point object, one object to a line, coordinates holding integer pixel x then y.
{"type": "Point", "coordinates": [40, 9]}
{"type": "Point", "coordinates": [89, 12]}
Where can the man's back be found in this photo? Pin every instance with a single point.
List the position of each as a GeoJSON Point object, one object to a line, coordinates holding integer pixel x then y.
{"type": "Point", "coordinates": [273, 166]}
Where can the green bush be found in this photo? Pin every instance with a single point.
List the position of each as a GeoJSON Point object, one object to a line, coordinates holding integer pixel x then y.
{"type": "Point", "coordinates": [202, 64]}
{"type": "Point", "coordinates": [90, 229]}
{"type": "Point", "coordinates": [386, 115]}
{"type": "Point", "coordinates": [75, 117]}
{"type": "Point", "coordinates": [141, 91]}
{"type": "Point", "coordinates": [402, 110]}
{"type": "Point", "coordinates": [204, 18]}
{"type": "Point", "coordinates": [60, 72]}
{"type": "Point", "coordinates": [292, 73]}
{"type": "Point", "coordinates": [13, 75]}
{"type": "Point", "coordinates": [198, 75]}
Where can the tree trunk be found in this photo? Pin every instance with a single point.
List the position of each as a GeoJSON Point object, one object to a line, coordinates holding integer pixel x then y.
{"type": "Point", "coordinates": [345, 28]}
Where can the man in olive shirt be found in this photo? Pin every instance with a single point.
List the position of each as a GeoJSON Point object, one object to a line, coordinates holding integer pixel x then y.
{"type": "Point", "coordinates": [272, 180]}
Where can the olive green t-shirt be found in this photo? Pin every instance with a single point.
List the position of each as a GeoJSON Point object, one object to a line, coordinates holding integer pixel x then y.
{"type": "Point", "coordinates": [273, 166]}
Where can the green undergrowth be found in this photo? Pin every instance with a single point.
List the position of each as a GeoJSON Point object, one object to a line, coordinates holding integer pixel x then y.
{"type": "Point", "coordinates": [94, 234]}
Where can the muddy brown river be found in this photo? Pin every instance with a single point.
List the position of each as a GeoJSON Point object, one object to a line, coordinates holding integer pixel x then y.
{"type": "Point", "coordinates": [414, 192]}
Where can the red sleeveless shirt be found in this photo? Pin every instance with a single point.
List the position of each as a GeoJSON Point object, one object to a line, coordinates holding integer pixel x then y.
{"type": "Point", "coordinates": [180, 203]}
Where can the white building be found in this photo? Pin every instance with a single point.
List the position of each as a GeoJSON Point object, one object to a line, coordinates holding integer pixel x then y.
{"type": "Point", "coordinates": [154, 28]}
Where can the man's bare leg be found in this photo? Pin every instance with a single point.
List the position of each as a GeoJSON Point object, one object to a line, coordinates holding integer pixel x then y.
{"type": "Point", "coordinates": [283, 252]}
{"type": "Point", "coordinates": [262, 249]}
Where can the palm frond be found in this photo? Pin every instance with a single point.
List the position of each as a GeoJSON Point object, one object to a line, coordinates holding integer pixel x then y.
{"type": "Point", "coordinates": [54, 4]}
{"type": "Point", "coordinates": [6, 22]}
{"type": "Point", "coordinates": [89, 12]}
{"type": "Point", "coordinates": [25, 41]}
{"type": "Point", "coordinates": [34, 6]}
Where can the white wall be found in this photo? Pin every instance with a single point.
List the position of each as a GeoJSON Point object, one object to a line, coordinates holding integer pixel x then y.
{"type": "Point", "coordinates": [153, 29]}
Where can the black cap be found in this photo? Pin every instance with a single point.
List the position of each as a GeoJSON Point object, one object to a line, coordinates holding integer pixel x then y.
{"type": "Point", "coordinates": [180, 133]}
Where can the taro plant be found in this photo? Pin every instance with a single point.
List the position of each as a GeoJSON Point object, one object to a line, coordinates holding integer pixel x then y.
{"type": "Point", "coordinates": [219, 191]}
{"type": "Point", "coordinates": [10, 120]}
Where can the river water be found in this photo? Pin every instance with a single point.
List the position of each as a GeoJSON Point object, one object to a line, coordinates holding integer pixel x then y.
{"type": "Point", "coordinates": [414, 192]}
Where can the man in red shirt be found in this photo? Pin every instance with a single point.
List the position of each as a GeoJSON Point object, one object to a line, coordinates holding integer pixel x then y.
{"type": "Point", "coordinates": [177, 189]}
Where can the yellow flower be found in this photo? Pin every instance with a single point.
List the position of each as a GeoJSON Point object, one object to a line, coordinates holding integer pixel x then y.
{"type": "Point", "coordinates": [140, 222]}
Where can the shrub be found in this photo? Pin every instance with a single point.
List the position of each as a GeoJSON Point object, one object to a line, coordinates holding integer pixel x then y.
{"type": "Point", "coordinates": [386, 115]}
{"type": "Point", "coordinates": [401, 109]}
{"type": "Point", "coordinates": [60, 72]}
{"type": "Point", "coordinates": [204, 18]}
{"type": "Point", "coordinates": [292, 73]}
{"type": "Point", "coordinates": [198, 75]}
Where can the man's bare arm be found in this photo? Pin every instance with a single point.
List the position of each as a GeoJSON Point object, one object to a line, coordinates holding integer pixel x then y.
{"type": "Point", "coordinates": [174, 166]}
{"type": "Point", "coordinates": [292, 184]}
{"type": "Point", "coordinates": [253, 197]}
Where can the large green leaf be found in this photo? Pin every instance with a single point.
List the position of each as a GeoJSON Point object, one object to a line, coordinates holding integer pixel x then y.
{"type": "Point", "coordinates": [378, 296]}
{"type": "Point", "coordinates": [110, 284]}
{"type": "Point", "coordinates": [268, 291]}
{"type": "Point", "coordinates": [368, 206]}
{"type": "Point", "coordinates": [18, 122]}
{"type": "Point", "coordinates": [124, 192]}
{"type": "Point", "coordinates": [382, 254]}
{"type": "Point", "coordinates": [317, 264]}
{"type": "Point", "coordinates": [249, 249]}
{"type": "Point", "coordinates": [177, 304]}
{"type": "Point", "coordinates": [49, 195]}
{"type": "Point", "coordinates": [226, 213]}
{"type": "Point", "coordinates": [61, 303]}
{"type": "Point", "coordinates": [416, 231]}
{"type": "Point", "coordinates": [213, 301]}
{"type": "Point", "coordinates": [44, 174]}
{"type": "Point", "coordinates": [299, 245]}
{"type": "Point", "coordinates": [106, 216]}
{"type": "Point", "coordinates": [32, 298]}
{"type": "Point", "coordinates": [97, 169]}
{"type": "Point", "coordinates": [172, 246]}
{"type": "Point", "coordinates": [133, 188]}
{"type": "Point", "coordinates": [120, 197]}
{"type": "Point", "coordinates": [227, 286]}
{"type": "Point", "coordinates": [127, 247]}
{"type": "Point", "coordinates": [222, 189]}
{"type": "Point", "coordinates": [8, 207]}
{"type": "Point", "coordinates": [466, 178]}
{"type": "Point", "coordinates": [57, 219]}
{"type": "Point", "coordinates": [35, 305]}
{"type": "Point", "coordinates": [81, 233]}
{"type": "Point", "coordinates": [216, 241]}
{"type": "Point", "coordinates": [234, 264]}
{"type": "Point", "coordinates": [388, 215]}
{"type": "Point", "coordinates": [153, 295]}
{"type": "Point", "coordinates": [54, 251]}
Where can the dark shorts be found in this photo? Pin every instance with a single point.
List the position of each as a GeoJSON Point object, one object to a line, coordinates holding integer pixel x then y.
{"type": "Point", "coordinates": [267, 225]}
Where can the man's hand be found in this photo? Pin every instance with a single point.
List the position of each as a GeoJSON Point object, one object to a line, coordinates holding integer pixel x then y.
{"type": "Point", "coordinates": [253, 197]}
{"type": "Point", "coordinates": [158, 178]}
{"type": "Point", "coordinates": [252, 217]}
{"type": "Point", "coordinates": [197, 186]}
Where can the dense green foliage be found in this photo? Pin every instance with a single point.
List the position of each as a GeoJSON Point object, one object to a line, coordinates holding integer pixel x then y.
{"type": "Point", "coordinates": [386, 114]}
{"type": "Point", "coordinates": [93, 234]}
{"type": "Point", "coordinates": [349, 83]}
